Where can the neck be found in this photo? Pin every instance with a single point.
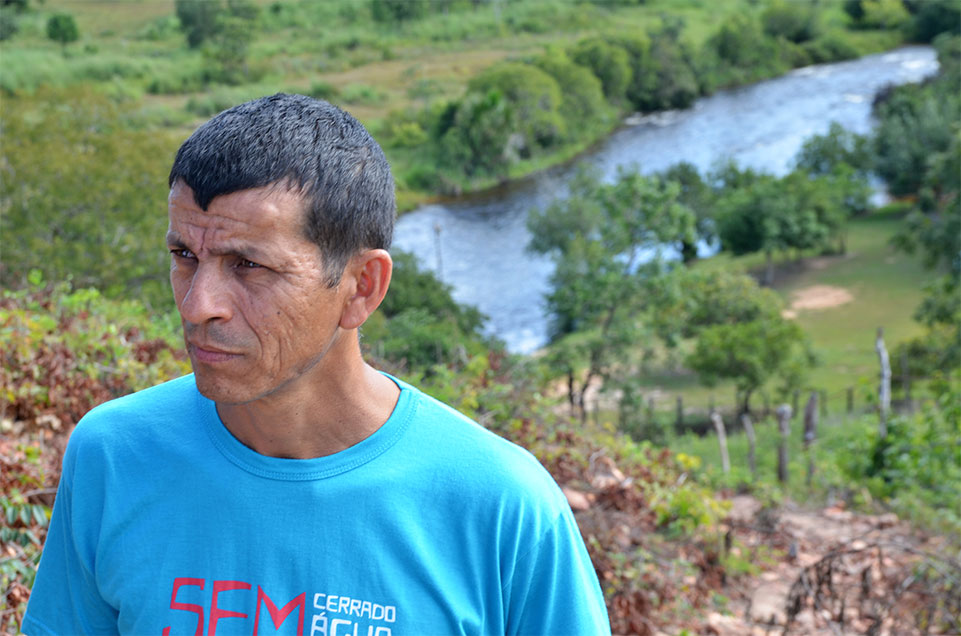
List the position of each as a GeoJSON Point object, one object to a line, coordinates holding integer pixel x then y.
{"type": "Point", "coordinates": [340, 403]}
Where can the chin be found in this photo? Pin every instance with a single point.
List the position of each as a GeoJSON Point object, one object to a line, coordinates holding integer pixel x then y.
{"type": "Point", "coordinates": [223, 392]}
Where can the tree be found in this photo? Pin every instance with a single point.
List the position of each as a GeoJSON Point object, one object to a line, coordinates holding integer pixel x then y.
{"type": "Point", "coordinates": [198, 19]}
{"type": "Point", "coordinates": [582, 96]}
{"type": "Point", "coordinates": [609, 63]}
{"type": "Point", "coordinates": [534, 98]}
{"type": "Point", "coordinates": [697, 195]}
{"type": "Point", "coordinates": [397, 11]}
{"type": "Point", "coordinates": [475, 134]}
{"type": "Point", "coordinates": [62, 28]}
{"type": "Point", "coordinates": [793, 21]}
{"type": "Point", "coordinates": [605, 241]}
{"type": "Point", "coordinates": [750, 354]}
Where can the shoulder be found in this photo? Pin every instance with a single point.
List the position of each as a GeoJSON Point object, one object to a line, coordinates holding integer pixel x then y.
{"type": "Point", "coordinates": [134, 420]}
{"type": "Point", "coordinates": [472, 457]}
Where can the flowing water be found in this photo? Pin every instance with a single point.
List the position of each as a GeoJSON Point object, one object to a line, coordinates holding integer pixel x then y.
{"type": "Point", "coordinates": [477, 243]}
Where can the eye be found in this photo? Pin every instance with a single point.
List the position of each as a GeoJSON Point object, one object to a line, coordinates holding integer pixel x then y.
{"type": "Point", "coordinates": [182, 252]}
{"type": "Point", "coordinates": [248, 264]}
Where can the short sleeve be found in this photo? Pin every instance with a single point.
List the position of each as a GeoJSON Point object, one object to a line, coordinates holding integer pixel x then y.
{"type": "Point", "coordinates": [554, 589]}
{"type": "Point", "coordinates": [65, 599]}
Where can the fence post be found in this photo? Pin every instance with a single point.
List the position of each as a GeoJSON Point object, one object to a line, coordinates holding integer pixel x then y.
{"type": "Point", "coordinates": [810, 431]}
{"type": "Point", "coordinates": [784, 424]}
{"type": "Point", "coordinates": [721, 440]}
{"type": "Point", "coordinates": [850, 399]}
{"type": "Point", "coordinates": [751, 444]}
{"type": "Point", "coordinates": [884, 390]}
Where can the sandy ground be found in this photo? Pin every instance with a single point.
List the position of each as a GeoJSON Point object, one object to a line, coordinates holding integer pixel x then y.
{"type": "Point", "coordinates": [817, 297]}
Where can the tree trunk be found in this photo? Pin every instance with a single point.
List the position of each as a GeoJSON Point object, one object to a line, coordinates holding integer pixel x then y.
{"type": "Point", "coordinates": [721, 440]}
{"type": "Point", "coordinates": [784, 424]}
{"type": "Point", "coordinates": [884, 390]}
{"type": "Point", "coordinates": [751, 444]}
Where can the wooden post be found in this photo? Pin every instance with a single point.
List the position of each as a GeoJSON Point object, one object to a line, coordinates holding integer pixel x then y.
{"type": "Point", "coordinates": [850, 399]}
{"type": "Point", "coordinates": [884, 390]}
{"type": "Point", "coordinates": [721, 440]}
{"type": "Point", "coordinates": [679, 422]}
{"type": "Point", "coordinates": [784, 424]}
{"type": "Point", "coordinates": [751, 444]}
{"type": "Point", "coordinates": [810, 431]}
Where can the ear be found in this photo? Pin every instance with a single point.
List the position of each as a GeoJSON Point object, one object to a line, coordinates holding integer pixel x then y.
{"type": "Point", "coordinates": [370, 273]}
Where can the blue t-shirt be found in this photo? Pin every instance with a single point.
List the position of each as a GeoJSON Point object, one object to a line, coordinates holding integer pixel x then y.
{"type": "Point", "coordinates": [166, 524]}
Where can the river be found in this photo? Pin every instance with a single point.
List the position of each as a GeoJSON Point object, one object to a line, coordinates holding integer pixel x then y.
{"type": "Point", "coordinates": [477, 243]}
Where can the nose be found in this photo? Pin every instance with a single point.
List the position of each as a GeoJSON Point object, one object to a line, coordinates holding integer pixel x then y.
{"type": "Point", "coordinates": [207, 296]}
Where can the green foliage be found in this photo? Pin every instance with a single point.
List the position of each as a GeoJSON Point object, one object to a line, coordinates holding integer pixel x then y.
{"type": "Point", "coordinates": [582, 96]}
{"type": "Point", "coordinates": [476, 139]}
{"type": "Point", "coordinates": [534, 98]}
{"type": "Point", "coordinates": [605, 242]}
{"type": "Point", "coordinates": [919, 461]}
{"type": "Point", "coordinates": [920, 131]}
{"type": "Point", "coordinates": [395, 11]}
{"type": "Point", "coordinates": [698, 196]}
{"type": "Point", "coordinates": [79, 195]}
{"type": "Point", "coordinates": [419, 324]}
{"type": "Point", "coordinates": [822, 155]}
{"type": "Point", "coordinates": [65, 350]}
{"type": "Point", "coordinates": [362, 94]}
{"type": "Point", "coordinates": [690, 300]}
{"type": "Point", "coordinates": [751, 353]}
{"type": "Point", "coordinates": [8, 25]}
{"type": "Point", "coordinates": [794, 21]}
{"type": "Point", "coordinates": [794, 212]}
{"type": "Point", "coordinates": [198, 19]}
{"type": "Point", "coordinates": [933, 17]}
{"type": "Point", "coordinates": [671, 75]}
{"type": "Point", "coordinates": [62, 28]}
{"type": "Point", "coordinates": [609, 63]}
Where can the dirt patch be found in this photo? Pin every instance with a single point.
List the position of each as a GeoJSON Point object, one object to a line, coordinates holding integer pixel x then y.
{"type": "Point", "coordinates": [817, 297]}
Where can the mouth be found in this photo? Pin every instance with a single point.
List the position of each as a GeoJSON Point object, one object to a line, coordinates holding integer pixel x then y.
{"type": "Point", "coordinates": [209, 354]}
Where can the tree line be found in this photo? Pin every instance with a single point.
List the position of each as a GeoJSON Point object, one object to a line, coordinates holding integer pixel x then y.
{"type": "Point", "coordinates": [621, 294]}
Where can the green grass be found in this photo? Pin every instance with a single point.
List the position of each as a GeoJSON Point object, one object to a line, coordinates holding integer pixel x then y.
{"type": "Point", "coordinates": [885, 286]}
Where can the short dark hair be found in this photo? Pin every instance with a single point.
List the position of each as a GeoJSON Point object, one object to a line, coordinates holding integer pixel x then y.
{"type": "Point", "coordinates": [311, 147]}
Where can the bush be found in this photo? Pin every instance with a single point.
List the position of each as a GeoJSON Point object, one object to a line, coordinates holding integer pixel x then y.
{"type": "Point", "coordinates": [608, 63]}
{"type": "Point", "coordinates": [323, 90]}
{"type": "Point", "coordinates": [582, 96]}
{"type": "Point", "coordinates": [831, 47]}
{"type": "Point", "coordinates": [532, 96]}
{"type": "Point", "coordinates": [62, 28]}
{"type": "Point", "coordinates": [794, 21]}
{"type": "Point", "coordinates": [363, 94]}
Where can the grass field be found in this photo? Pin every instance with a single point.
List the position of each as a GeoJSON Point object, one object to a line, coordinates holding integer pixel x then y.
{"type": "Point", "coordinates": [884, 288]}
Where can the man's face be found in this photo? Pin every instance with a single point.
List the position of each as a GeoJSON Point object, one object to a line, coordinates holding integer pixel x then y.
{"type": "Point", "coordinates": [257, 314]}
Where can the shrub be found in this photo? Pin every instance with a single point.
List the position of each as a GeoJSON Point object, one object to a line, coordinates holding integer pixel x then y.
{"type": "Point", "coordinates": [582, 96]}
{"type": "Point", "coordinates": [532, 96]}
{"type": "Point", "coordinates": [608, 63]}
{"type": "Point", "coordinates": [794, 21]}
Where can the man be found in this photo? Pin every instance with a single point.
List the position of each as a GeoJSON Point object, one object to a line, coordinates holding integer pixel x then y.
{"type": "Point", "coordinates": [286, 486]}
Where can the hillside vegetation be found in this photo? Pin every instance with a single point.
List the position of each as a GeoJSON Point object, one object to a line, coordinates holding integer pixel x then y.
{"type": "Point", "coordinates": [98, 95]}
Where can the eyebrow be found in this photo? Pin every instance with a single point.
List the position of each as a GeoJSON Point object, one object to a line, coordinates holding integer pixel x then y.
{"type": "Point", "coordinates": [243, 250]}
